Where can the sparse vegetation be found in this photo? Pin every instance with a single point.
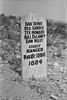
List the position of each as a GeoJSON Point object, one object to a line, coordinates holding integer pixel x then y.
{"type": "Point", "coordinates": [54, 87]}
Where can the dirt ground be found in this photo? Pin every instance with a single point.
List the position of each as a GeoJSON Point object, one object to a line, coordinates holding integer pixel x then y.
{"type": "Point", "coordinates": [12, 84]}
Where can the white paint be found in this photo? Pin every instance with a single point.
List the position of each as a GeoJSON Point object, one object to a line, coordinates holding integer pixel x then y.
{"type": "Point", "coordinates": [38, 70]}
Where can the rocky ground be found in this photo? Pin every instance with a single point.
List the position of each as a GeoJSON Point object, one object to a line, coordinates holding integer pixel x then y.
{"type": "Point", "coordinates": [12, 85]}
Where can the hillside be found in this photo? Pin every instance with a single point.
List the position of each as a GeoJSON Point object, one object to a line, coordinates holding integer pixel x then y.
{"type": "Point", "coordinates": [13, 87]}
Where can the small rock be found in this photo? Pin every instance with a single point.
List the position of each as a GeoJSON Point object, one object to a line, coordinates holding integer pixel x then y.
{"type": "Point", "coordinates": [53, 97]}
